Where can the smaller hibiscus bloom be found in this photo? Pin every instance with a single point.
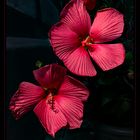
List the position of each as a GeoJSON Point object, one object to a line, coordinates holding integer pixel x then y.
{"type": "Point", "coordinates": [76, 42]}
{"type": "Point", "coordinates": [57, 102]}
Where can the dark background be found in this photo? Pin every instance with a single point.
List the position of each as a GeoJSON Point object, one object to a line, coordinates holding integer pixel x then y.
{"type": "Point", "coordinates": [27, 26]}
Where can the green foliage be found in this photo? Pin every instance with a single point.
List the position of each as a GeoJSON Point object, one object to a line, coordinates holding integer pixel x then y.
{"type": "Point", "coordinates": [38, 64]}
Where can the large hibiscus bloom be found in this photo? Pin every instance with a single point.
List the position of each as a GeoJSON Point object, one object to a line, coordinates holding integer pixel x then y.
{"type": "Point", "coordinates": [76, 42]}
{"type": "Point", "coordinates": [57, 102]}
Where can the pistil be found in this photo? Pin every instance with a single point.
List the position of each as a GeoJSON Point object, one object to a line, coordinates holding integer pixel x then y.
{"type": "Point", "coordinates": [87, 43]}
{"type": "Point", "coordinates": [50, 99]}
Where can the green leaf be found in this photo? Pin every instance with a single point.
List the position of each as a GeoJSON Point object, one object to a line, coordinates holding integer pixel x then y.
{"type": "Point", "coordinates": [38, 64]}
{"type": "Point", "coordinates": [129, 56]}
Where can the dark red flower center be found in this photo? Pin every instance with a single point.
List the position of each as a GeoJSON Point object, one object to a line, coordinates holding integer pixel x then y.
{"type": "Point", "coordinates": [53, 91]}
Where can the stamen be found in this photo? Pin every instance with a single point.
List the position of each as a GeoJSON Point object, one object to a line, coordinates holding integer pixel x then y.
{"type": "Point", "coordinates": [51, 100]}
{"type": "Point", "coordinates": [87, 43]}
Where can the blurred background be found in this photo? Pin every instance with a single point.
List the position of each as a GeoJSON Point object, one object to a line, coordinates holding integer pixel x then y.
{"type": "Point", "coordinates": [109, 112]}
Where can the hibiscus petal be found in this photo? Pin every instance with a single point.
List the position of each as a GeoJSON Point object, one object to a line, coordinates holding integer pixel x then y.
{"type": "Point", "coordinates": [79, 63]}
{"type": "Point", "coordinates": [90, 4]}
{"type": "Point", "coordinates": [26, 97]}
{"type": "Point", "coordinates": [107, 26]}
{"type": "Point", "coordinates": [52, 120]}
{"type": "Point", "coordinates": [76, 17]}
{"type": "Point", "coordinates": [108, 56]}
{"type": "Point", "coordinates": [50, 76]}
{"type": "Point", "coordinates": [72, 88]}
{"type": "Point", "coordinates": [70, 98]}
{"type": "Point", "coordinates": [63, 40]}
{"type": "Point", "coordinates": [72, 109]}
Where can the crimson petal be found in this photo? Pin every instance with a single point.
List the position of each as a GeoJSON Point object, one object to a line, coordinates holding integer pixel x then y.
{"type": "Point", "coordinates": [71, 96]}
{"type": "Point", "coordinates": [107, 25]}
{"type": "Point", "coordinates": [76, 17]}
{"type": "Point", "coordinates": [52, 120]}
{"type": "Point", "coordinates": [26, 97]}
{"type": "Point", "coordinates": [72, 109]}
{"type": "Point", "coordinates": [73, 88]}
{"type": "Point", "coordinates": [108, 56]}
{"type": "Point", "coordinates": [63, 40]}
{"type": "Point", "coordinates": [90, 4]}
{"type": "Point", "coordinates": [50, 76]}
{"type": "Point", "coordinates": [79, 63]}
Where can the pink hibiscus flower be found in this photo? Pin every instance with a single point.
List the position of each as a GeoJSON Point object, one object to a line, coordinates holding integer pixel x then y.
{"type": "Point", "coordinates": [57, 102]}
{"type": "Point", "coordinates": [76, 42]}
